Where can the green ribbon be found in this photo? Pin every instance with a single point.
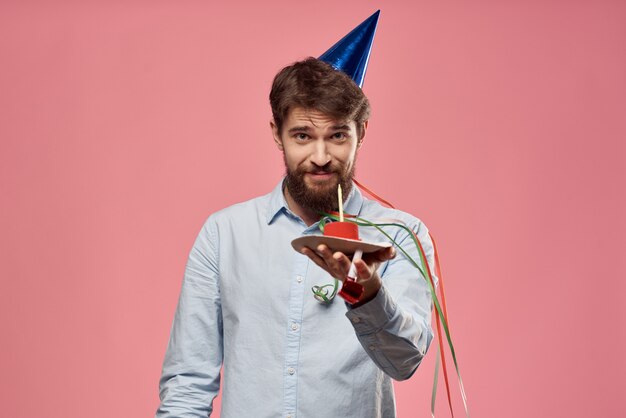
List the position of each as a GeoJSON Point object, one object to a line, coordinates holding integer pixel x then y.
{"type": "Point", "coordinates": [424, 268]}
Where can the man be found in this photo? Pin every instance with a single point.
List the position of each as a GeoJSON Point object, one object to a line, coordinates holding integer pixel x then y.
{"type": "Point", "coordinates": [245, 303]}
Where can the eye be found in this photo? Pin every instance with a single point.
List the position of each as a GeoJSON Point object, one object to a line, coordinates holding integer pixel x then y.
{"type": "Point", "coordinates": [339, 136]}
{"type": "Point", "coordinates": [301, 136]}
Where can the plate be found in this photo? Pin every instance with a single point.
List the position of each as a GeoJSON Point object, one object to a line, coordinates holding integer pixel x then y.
{"type": "Point", "coordinates": [345, 245]}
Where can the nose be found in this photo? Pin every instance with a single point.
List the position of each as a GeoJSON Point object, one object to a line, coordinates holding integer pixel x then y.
{"type": "Point", "coordinates": [320, 155]}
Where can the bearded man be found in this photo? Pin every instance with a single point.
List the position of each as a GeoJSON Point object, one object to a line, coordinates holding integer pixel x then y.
{"type": "Point", "coordinates": [246, 304]}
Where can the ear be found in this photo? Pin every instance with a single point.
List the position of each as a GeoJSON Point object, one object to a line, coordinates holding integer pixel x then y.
{"type": "Point", "coordinates": [276, 135]}
{"type": "Point", "coordinates": [363, 131]}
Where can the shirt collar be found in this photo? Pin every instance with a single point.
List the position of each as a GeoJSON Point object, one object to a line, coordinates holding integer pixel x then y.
{"type": "Point", "coordinates": [278, 204]}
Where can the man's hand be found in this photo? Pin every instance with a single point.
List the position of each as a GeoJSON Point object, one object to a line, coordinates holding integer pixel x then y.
{"type": "Point", "coordinates": [338, 264]}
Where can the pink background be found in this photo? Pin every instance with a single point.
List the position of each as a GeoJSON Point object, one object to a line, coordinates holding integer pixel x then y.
{"type": "Point", "coordinates": [500, 124]}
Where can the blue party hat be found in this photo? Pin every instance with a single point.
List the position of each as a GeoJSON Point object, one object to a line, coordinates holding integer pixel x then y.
{"type": "Point", "coordinates": [352, 53]}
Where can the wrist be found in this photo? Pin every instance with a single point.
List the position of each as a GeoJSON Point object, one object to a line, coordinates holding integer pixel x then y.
{"type": "Point", "coordinates": [370, 291]}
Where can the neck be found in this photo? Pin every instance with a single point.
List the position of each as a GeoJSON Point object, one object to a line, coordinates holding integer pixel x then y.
{"type": "Point", "coordinates": [307, 215]}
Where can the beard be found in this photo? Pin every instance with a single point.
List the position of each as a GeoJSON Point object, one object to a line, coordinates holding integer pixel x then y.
{"type": "Point", "coordinates": [323, 196]}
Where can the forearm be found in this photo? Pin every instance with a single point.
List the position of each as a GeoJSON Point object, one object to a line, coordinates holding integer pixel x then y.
{"type": "Point", "coordinates": [190, 378]}
{"type": "Point", "coordinates": [395, 326]}
{"type": "Point", "coordinates": [187, 394]}
{"type": "Point", "coordinates": [395, 338]}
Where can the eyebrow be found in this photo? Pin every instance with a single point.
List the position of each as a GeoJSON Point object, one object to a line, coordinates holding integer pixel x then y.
{"type": "Point", "coordinates": [299, 129]}
{"type": "Point", "coordinates": [308, 128]}
{"type": "Point", "coordinates": [340, 128]}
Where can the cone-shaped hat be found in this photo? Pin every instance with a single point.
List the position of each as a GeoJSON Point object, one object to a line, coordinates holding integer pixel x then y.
{"type": "Point", "coordinates": [351, 54]}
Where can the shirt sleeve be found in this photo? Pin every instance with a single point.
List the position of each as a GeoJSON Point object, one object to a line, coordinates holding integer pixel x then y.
{"type": "Point", "coordinates": [394, 328]}
{"type": "Point", "coordinates": [190, 379]}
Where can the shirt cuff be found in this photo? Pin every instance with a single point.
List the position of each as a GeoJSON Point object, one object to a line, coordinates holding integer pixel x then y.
{"type": "Point", "coordinates": [373, 315]}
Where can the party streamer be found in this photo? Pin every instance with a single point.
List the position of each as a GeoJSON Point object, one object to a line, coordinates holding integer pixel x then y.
{"type": "Point", "coordinates": [441, 312]}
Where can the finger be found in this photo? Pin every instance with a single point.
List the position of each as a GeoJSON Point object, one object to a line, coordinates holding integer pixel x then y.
{"type": "Point", "coordinates": [386, 254]}
{"type": "Point", "coordinates": [336, 262]}
{"type": "Point", "coordinates": [321, 262]}
{"type": "Point", "coordinates": [343, 262]}
{"type": "Point", "coordinates": [315, 258]}
{"type": "Point", "coordinates": [380, 255]}
{"type": "Point", "coordinates": [311, 254]}
{"type": "Point", "coordinates": [363, 271]}
{"type": "Point", "coordinates": [324, 251]}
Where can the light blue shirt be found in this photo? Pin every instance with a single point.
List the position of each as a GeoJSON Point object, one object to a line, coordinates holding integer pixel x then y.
{"type": "Point", "coordinates": [246, 305]}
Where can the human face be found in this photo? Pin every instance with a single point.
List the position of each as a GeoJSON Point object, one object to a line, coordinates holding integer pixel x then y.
{"type": "Point", "coordinates": [319, 154]}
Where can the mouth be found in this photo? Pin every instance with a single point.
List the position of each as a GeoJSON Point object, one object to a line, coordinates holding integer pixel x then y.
{"type": "Point", "coordinates": [320, 175]}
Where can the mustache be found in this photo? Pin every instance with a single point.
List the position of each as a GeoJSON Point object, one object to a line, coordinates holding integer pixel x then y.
{"type": "Point", "coordinates": [326, 169]}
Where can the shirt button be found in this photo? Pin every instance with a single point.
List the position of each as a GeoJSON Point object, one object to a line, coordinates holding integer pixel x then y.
{"type": "Point", "coordinates": [356, 320]}
{"type": "Point", "coordinates": [373, 348]}
{"type": "Point", "coordinates": [299, 279]}
{"type": "Point", "coordinates": [291, 370]}
{"type": "Point", "coordinates": [294, 326]}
